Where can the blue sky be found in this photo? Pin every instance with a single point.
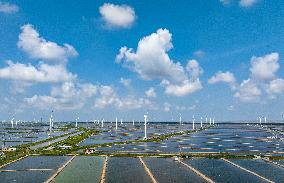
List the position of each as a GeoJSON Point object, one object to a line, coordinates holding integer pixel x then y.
{"type": "Point", "coordinates": [214, 58]}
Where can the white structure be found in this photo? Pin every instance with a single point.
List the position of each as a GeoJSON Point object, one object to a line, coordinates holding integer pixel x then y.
{"type": "Point", "coordinates": [201, 125]}
{"type": "Point", "coordinates": [206, 120]}
{"type": "Point", "coordinates": [121, 121]}
{"type": "Point", "coordinates": [76, 122]}
{"type": "Point", "coordinates": [213, 121]}
{"type": "Point", "coordinates": [145, 126]}
{"type": "Point", "coordinates": [264, 119]}
{"type": "Point", "coordinates": [133, 122]}
{"type": "Point", "coordinates": [210, 121]}
{"type": "Point", "coordinates": [102, 123]}
{"type": "Point", "coordinates": [12, 122]}
{"type": "Point", "coordinates": [259, 120]}
{"type": "Point", "coordinates": [50, 122]}
{"type": "Point", "coordinates": [116, 123]}
{"type": "Point", "coordinates": [193, 121]}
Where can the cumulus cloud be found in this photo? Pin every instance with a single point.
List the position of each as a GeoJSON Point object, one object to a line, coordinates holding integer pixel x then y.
{"type": "Point", "coordinates": [248, 91]}
{"type": "Point", "coordinates": [39, 48]}
{"type": "Point", "coordinates": [117, 15]}
{"type": "Point", "coordinates": [151, 92]}
{"type": "Point", "coordinates": [43, 73]}
{"type": "Point", "coordinates": [182, 89]}
{"type": "Point", "coordinates": [262, 80]}
{"type": "Point", "coordinates": [247, 3]}
{"type": "Point", "coordinates": [109, 98]}
{"type": "Point", "coordinates": [151, 61]}
{"type": "Point", "coordinates": [264, 68]}
{"type": "Point", "coordinates": [8, 8]}
{"type": "Point", "coordinates": [275, 86]}
{"type": "Point", "coordinates": [226, 77]}
{"type": "Point", "coordinates": [68, 96]}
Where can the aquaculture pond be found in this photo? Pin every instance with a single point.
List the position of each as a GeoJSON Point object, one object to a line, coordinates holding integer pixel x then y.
{"type": "Point", "coordinates": [32, 169]}
{"type": "Point", "coordinates": [268, 170]}
{"type": "Point", "coordinates": [27, 133]}
{"type": "Point", "coordinates": [125, 170]}
{"type": "Point", "coordinates": [82, 169]}
{"type": "Point", "coordinates": [167, 170]}
{"type": "Point", "coordinates": [220, 171]}
{"type": "Point", "coordinates": [231, 138]}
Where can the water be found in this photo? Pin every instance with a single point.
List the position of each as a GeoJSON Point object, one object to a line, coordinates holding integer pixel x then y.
{"type": "Point", "coordinates": [82, 169]}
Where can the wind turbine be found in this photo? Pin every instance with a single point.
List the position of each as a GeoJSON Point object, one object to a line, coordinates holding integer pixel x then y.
{"type": "Point", "coordinates": [213, 121]}
{"type": "Point", "coordinates": [102, 123]}
{"type": "Point", "coordinates": [116, 123]}
{"type": "Point", "coordinates": [210, 121]}
{"type": "Point", "coordinates": [201, 125]}
{"type": "Point", "coordinates": [264, 119]}
{"type": "Point", "coordinates": [133, 122]}
{"type": "Point", "coordinates": [76, 122]}
{"type": "Point", "coordinates": [145, 125]}
{"type": "Point", "coordinates": [193, 120]}
{"type": "Point", "coordinates": [12, 122]}
{"type": "Point", "coordinates": [50, 121]}
{"type": "Point", "coordinates": [206, 120]}
{"type": "Point", "coordinates": [259, 120]}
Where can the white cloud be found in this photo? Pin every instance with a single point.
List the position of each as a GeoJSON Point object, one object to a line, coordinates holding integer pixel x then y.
{"type": "Point", "coordinates": [151, 92]}
{"type": "Point", "coordinates": [275, 86]}
{"type": "Point", "coordinates": [185, 88]}
{"type": "Point", "coordinates": [42, 74]}
{"type": "Point", "coordinates": [151, 61]}
{"type": "Point", "coordinates": [264, 68]}
{"type": "Point", "coordinates": [39, 48]}
{"type": "Point", "coordinates": [247, 3]}
{"type": "Point", "coordinates": [8, 8]}
{"type": "Point", "coordinates": [117, 15]}
{"type": "Point", "coordinates": [68, 96]}
{"type": "Point", "coordinates": [109, 98]}
{"type": "Point", "coordinates": [248, 91]}
{"type": "Point", "coordinates": [262, 79]}
{"type": "Point", "coordinates": [125, 82]}
{"type": "Point", "coordinates": [226, 77]}
{"type": "Point", "coordinates": [193, 69]}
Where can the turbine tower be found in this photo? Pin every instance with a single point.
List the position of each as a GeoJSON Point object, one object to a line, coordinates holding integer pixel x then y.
{"type": "Point", "coordinates": [145, 125]}
{"type": "Point", "coordinates": [12, 122]}
{"type": "Point", "coordinates": [116, 123]}
{"type": "Point", "coordinates": [133, 122]}
{"type": "Point", "coordinates": [259, 120]}
{"type": "Point", "coordinates": [50, 121]}
{"type": "Point", "coordinates": [264, 119]}
{"type": "Point", "coordinates": [201, 125]}
{"type": "Point", "coordinates": [210, 121]}
{"type": "Point", "coordinates": [193, 120]}
{"type": "Point", "coordinates": [76, 122]}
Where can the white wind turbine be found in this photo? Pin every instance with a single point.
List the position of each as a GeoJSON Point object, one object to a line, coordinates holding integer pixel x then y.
{"type": "Point", "coordinates": [12, 122]}
{"type": "Point", "coordinates": [116, 123]}
{"type": "Point", "coordinates": [145, 125]}
{"type": "Point", "coordinates": [259, 120]}
{"type": "Point", "coordinates": [193, 120]}
{"type": "Point", "coordinates": [76, 122]}
{"type": "Point", "coordinates": [201, 125]}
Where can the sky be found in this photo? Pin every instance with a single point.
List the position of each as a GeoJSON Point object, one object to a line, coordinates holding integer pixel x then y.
{"type": "Point", "coordinates": [105, 59]}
